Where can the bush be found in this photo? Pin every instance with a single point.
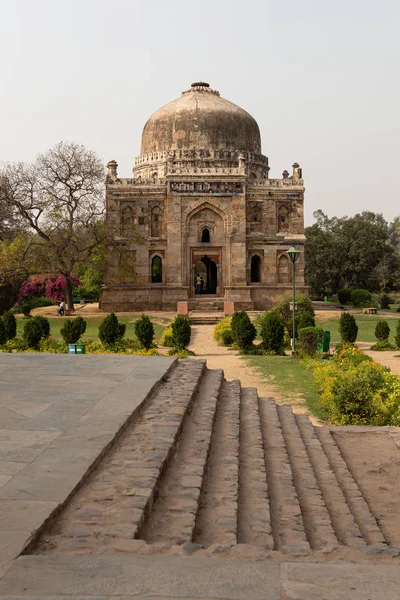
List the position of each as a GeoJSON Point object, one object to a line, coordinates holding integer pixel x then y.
{"type": "Point", "coordinates": [348, 328]}
{"type": "Point", "coordinates": [227, 337]}
{"type": "Point", "coordinates": [166, 338]}
{"type": "Point", "coordinates": [243, 330]}
{"type": "Point", "coordinates": [384, 301]}
{"type": "Point", "coordinates": [144, 331]}
{"type": "Point", "coordinates": [224, 324]}
{"type": "Point", "coordinates": [45, 325]}
{"type": "Point", "coordinates": [382, 330]}
{"type": "Point", "coordinates": [351, 394]}
{"type": "Point", "coordinates": [383, 345]}
{"type": "Point", "coordinates": [273, 334]}
{"type": "Point", "coordinates": [26, 309]}
{"type": "Point", "coordinates": [309, 338]}
{"type": "Point", "coordinates": [10, 325]}
{"type": "Point", "coordinates": [181, 332]}
{"type": "Point", "coordinates": [3, 334]}
{"type": "Point", "coordinates": [361, 298]}
{"type": "Point", "coordinates": [285, 314]}
{"type": "Point", "coordinates": [344, 295]}
{"type": "Point", "coordinates": [306, 320]}
{"type": "Point", "coordinates": [110, 331]}
{"type": "Point", "coordinates": [397, 336]}
{"type": "Point", "coordinates": [33, 333]}
{"type": "Point", "coordinates": [348, 355]}
{"type": "Point", "coordinates": [73, 329]}
{"type": "Point", "coordinates": [398, 309]}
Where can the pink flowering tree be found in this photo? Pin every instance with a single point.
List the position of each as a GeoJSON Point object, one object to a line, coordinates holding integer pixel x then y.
{"type": "Point", "coordinates": [51, 286]}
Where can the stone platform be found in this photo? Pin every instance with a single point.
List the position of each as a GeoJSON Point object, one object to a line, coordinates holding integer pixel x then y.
{"type": "Point", "coordinates": [149, 477]}
{"type": "Point", "coordinates": [58, 415]}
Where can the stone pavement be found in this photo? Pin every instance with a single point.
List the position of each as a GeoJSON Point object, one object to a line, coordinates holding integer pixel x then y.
{"type": "Point", "coordinates": [58, 416]}
{"type": "Point", "coordinates": [168, 578]}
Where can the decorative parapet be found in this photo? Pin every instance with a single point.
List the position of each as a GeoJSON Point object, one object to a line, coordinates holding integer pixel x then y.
{"type": "Point", "coordinates": [268, 183]}
{"type": "Point", "coordinates": [200, 154]}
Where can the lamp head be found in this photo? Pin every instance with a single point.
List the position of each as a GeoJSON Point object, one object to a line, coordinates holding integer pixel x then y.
{"type": "Point", "coordinates": [293, 254]}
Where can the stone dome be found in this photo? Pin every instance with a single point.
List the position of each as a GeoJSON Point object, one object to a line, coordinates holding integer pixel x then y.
{"type": "Point", "coordinates": [201, 119]}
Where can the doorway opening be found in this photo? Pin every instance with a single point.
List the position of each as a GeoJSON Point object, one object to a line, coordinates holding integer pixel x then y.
{"type": "Point", "coordinates": [205, 276]}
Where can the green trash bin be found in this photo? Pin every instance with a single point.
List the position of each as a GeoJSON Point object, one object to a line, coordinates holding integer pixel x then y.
{"type": "Point", "coordinates": [327, 341]}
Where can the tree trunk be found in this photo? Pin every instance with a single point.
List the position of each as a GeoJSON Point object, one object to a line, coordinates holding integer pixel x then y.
{"type": "Point", "coordinates": [68, 293]}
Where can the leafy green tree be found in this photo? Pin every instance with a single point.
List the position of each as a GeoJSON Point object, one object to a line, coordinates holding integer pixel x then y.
{"type": "Point", "coordinates": [110, 330]}
{"type": "Point", "coordinates": [73, 330]}
{"type": "Point", "coordinates": [243, 330]}
{"type": "Point", "coordinates": [382, 330]}
{"type": "Point", "coordinates": [181, 332]}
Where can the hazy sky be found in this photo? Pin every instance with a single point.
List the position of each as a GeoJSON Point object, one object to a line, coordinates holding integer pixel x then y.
{"type": "Point", "coordinates": [320, 77]}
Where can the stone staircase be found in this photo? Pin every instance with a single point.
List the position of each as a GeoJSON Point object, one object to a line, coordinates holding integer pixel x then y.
{"type": "Point", "coordinates": [210, 464]}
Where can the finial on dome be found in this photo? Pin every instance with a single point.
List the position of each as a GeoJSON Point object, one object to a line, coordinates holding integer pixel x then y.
{"type": "Point", "coordinates": [200, 84]}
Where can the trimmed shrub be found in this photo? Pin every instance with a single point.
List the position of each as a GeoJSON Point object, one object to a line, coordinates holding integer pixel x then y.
{"type": "Point", "coordinates": [33, 333]}
{"type": "Point", "coordinates": [344, 295]}
{"type": "Point", "coordinates": [144, 331]}
{"type": "Point", "coordinates": [309, 338]}
{"type": "Point", "coordinates": [227, 337]}
{"type": "Point", "coordinates": [26, 309]}
{"type": "Point", "coordinates": [384, 301]}
{"type": "Point", "coordinates": [382, 345]}
{"type": "Point", "coordinates": [110, 331]}
{"type": "Point", "coordinates": [361, 298]}
{"type": "Point", "coordinates": [166, 338]}
{"type": "Point", "coordinates": [398, 309]}
{"type": "Point", "coordinates": [73, 330]}
{"type": "Point", "coordinates": [243, 330]}
{"type": "Point", "coordinates": [382, 330]}
{"type": "Point", "coordinates": [273, 334]}
{"type": "Point", "coordinates": [45, 325]}
{"type": "Point", "coordinates": [10, 325]}
{"type": "Point", "coordinates": [397, 336]}
{"type": "Point", "coordinates": [181, 332]}
{"type": "Point", "coordinates": [348, 328]}
{"type": "Point", "coordinates": [306, 320]}
{"type": "Point", "coordinates": [3, 335]}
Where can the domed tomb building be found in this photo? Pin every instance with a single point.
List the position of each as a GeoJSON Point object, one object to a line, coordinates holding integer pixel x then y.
{"type": "Point", "coordinates": [202, 209]}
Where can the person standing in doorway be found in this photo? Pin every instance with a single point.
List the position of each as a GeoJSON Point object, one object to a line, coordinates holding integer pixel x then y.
{"type": "Point", "coordinates": [198, 284]}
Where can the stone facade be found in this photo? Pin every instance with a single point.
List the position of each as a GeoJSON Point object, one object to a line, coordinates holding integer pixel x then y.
{"type": "Point", "coordinates": [209, 210]}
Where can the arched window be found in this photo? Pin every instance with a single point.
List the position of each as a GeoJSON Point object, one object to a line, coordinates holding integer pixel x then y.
{"type": "Point", "coordinates": [283, 218]}
{"type": "Point", "coordinates": [255, 269]}
{"type": "Point", "coordinates": [284, 269]}
{"type": "Point", "coordinates": [156, 269]}
{"type": "Point", "coordinates": [205, 235]}
{"type": "Point", "coordinates": [127, 221]}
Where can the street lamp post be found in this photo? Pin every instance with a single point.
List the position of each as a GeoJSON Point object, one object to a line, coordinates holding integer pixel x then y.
{"type": "Point", "coordinates": [293, 254]}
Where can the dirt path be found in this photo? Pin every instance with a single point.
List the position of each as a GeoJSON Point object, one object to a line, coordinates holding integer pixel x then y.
{"type": "Point", "coordinates": [235, 367]}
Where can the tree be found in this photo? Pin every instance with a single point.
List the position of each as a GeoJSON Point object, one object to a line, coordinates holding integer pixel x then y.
{"type": "Point", "coordinates": [348, 328]}
{"type": "Point", "coordinates": [60, 199]}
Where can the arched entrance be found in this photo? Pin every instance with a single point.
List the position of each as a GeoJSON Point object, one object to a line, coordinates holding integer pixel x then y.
{"type": "Point", "coordinates": [206, 269]}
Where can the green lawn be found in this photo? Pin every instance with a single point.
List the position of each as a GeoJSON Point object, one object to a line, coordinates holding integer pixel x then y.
{"type": "Point", "coordinates": [92, 327]}
{"type": "Point", "coordinates": [290, 377]}
{"type": "Point", "coordinates": [366, 325]}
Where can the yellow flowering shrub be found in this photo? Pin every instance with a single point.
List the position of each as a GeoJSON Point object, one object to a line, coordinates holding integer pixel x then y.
{"type": "Point", "coordinates": [224, 325]}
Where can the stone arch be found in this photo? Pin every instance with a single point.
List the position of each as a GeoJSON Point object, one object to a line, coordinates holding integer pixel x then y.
{"type": "Point", "coordinates": [284, 269]}
{"type": "Point", "coordinates": [156, 269]}
{"type": "Point", "coordinates": [283, 218]}
{"type": "Point", "coordinates": [256, 269]}
{"type": "Point", "coordinates": [205, 235]}
{"type": "Point", "coordinates": [156, 221]}
{"type": "Point", "coordinates": [197, 206]}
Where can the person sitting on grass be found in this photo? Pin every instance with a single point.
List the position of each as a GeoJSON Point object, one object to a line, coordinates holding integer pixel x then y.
{"type": "Point", "coordinates": [61, 309]}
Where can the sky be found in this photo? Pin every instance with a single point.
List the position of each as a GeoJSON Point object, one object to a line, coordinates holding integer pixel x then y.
{"type": "Point", "coordinates": [320, 77]}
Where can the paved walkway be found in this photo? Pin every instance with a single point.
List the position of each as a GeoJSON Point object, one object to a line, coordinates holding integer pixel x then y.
{"type": "Point", "coordinates": [58, 414]}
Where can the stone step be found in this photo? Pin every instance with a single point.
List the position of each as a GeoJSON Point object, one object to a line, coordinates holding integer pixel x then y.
{"type": "Point", "coordinates": [254, 518]}
{"type": "Point", "coordinates": [315, 515]}
{"type": "Point", "coordinates": [216, 521]}
{"type": "Point", "coordinates": [174, 512]}
{"type": "Point", "coordinates": [346, 529]}
{"type": "Point", "coordinates": [115, 501]}
{"type": "Point", "coordinates": [286, 516]}
{"type": "Point", "coordinates": [358, 505]}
